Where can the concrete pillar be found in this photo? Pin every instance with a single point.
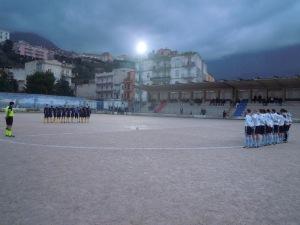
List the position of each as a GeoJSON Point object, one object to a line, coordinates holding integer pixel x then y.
{"type": "Point", "coordinates": [234, 94]}
{"type": "Point", "coordinates": [218, 94]}
{"type": "Point", "coordinates": [179, 95]}
{"type": "Point", "coordinates": [283, 94]}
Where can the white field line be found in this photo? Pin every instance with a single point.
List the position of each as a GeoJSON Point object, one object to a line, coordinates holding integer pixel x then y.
{"type": "Point", "coordinates": [127, 129]}
{"type": "Point", "coordinates": [117, 148]}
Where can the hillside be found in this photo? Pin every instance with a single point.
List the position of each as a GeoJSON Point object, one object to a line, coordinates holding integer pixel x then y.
{"type": "Point", "coordinates": [33, 39]}
{"type": "Point", "coordinates": [278, 62]}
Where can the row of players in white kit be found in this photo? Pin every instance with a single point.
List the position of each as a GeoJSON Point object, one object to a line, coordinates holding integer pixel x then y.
{"type": "Point", "coordinates": [265, 127]}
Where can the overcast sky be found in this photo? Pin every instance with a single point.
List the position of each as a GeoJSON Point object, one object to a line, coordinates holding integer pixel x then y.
{"type": "Point", "coordinates": [212, 28]}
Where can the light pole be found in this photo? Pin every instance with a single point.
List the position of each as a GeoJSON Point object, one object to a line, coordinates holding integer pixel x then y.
{"type": "Point", "coordinates": [141, 49]}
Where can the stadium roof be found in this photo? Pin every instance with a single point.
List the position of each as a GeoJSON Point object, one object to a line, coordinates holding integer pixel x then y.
{"type": "Point", "coordinates": [257, 83]}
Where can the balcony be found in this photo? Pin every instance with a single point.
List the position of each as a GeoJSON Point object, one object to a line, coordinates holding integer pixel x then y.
{"type": "Point", "coordinates": [161, 80]}
{"type": "Point", "coordinates": [189, 64]}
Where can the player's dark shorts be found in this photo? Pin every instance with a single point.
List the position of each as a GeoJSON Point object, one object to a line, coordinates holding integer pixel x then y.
{"type": "Point", "coordinates": [50, 115]}
{"type": "Point", "coordinates": [76, 115]}
{"type": "Point", "coordinates": [281, 129]}
{"type": "Point", "coordinates": [259, 130]}
{"type": "Point", "coordinates": [9, 121]}
{"type": "Point", "coordinates": [249, 130]}
{"type": "Point", "coordinates": [276, 129]}
{"type": "Point", "coordinates": [286, 128]}
{"type": "Point", "coordinates": [269, 130]}
{"type": "Point", "coordinates": [263, 129]}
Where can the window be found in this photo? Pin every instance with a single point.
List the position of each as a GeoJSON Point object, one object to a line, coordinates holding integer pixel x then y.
{"type": "Point", "coordinates": [177, 63]}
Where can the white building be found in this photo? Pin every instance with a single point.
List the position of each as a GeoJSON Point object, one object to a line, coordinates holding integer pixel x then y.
{"type": "Point", "coordinates": [58, 69]}
{"type": "Point", "coordinates": [109, 85]}
{"type": "Point", "coordinates": [4, 35]}
{"type": "Point", "coordinates": [171, 67]}
{"type": "Point", "coordinates": [105, 56]}
{"type": "Point", "coordinates": [86, 91]}
{"type": "Point", "coordinates": [19, 74]}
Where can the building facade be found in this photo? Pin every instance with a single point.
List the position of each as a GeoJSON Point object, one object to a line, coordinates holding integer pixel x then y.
{"type": "Point", "coordinates": [36, 52]}
{"type": "Point", "coordinates": [86, 90]}
{"type": "Point", "coordinates": [104, 57]}
{"type": "Point", "coordinates": [170, 67]}
{"type": "Point", "coordinates": [110, 85]}
{"type": "Point", "coordinates": [4, 35]}
{"type": "Point", "coordinates": [129, 87]}
{"type": "Point", "coordinates": [19, 74]}
{"type": "Point", "coordinates": [104, 85]}
{"type": "Point", "coordinates": [58, 69]}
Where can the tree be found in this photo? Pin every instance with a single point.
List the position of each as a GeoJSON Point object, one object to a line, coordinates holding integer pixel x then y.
{"type": "Point", "coordinates": [7, 83]}
{"type": "Point", "coordinates": [62, 87]}
{"type": "Point", "coordinates": [40, 83]}
{"type": "Point", "coordinates": [7, 47]}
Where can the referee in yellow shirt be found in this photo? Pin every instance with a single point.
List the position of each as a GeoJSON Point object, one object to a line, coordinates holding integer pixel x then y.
{"type": "Point", "coordinates": [9, 117]}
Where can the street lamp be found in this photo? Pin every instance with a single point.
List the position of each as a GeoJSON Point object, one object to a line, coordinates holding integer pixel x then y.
{"type": "Point", "coordinates": [141, 49]}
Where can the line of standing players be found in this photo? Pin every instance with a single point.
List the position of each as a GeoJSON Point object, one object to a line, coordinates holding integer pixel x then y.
{"type": "Point", "coordinates": [63, 114]}
{"type": "Point", "coordinates": [265, 127]}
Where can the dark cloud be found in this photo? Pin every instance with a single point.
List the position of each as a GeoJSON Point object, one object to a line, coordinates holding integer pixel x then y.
{"type": "Point", "coordinates": [213, 28]}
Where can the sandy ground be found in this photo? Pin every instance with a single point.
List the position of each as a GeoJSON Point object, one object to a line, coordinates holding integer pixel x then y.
{"type": "Point", "coordinates": [134, 170]}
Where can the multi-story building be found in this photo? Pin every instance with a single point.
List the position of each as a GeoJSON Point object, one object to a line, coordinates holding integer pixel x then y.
{"type": "Point", "coordinates": [104, 85]}
{"type": "Point", "coordinates": [129, 87]}
{"type": "Point", "coordinates": [170, 67]}
{"type": "Point", "coordinates": [124, 57]}
{"type": "Point", "coordinates": [110, 85]}
{"type": "Point", "coordinates": [105, 56]}
{"type": "Point", "coordinates": [87, 90]}
{"type": "Point", "coordinates": [4, 35]}
{"type": "Point", "coordinates": [58, 69]}
{"type": "Point", "coordinates": [19, 75]}
{"type": "Point", "coordinates": [118, 80]}
{"type": "Point", "coordinates": [25, 49]}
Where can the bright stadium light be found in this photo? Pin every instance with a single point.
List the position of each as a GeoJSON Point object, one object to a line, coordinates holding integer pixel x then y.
{"type": "Point", "coordinates": [141, 47]}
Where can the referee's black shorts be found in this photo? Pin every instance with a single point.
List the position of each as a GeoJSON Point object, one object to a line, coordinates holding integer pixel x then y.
{"type": "Point", "coordinates": [9, 121]}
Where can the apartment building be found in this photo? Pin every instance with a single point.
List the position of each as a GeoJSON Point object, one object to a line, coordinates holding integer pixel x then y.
{"type": "Point", "coordinates": [4, 35]}
{"type": "Point", "coordinates": [36, 52]}
{"type": "Point", "coordinates": [170, 67]}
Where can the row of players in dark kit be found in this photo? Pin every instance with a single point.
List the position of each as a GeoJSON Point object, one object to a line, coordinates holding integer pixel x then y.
{"type": "Point", "coordinates": [66, 114]}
